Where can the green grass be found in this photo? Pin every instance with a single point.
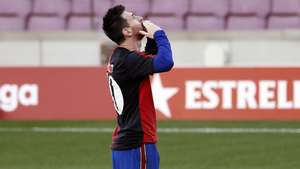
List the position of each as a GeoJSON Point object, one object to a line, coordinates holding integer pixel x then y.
{"type": "Point", "coordinates": [30, 150]}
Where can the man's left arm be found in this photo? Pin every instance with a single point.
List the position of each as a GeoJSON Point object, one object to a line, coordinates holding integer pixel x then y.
{"type": "Point", "coordinates": [163, 61]}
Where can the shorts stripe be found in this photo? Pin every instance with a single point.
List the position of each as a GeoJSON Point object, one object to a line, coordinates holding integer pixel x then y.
{"type": "Point", "coordinates": [143, 157]}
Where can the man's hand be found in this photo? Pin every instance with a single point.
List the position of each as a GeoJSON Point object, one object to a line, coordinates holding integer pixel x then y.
{"type": "Point", "coordinates": [151, 29]}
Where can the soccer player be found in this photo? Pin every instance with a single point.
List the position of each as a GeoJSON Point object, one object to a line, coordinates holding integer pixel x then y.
{"type": "Point", "coordinates": [135, 137]}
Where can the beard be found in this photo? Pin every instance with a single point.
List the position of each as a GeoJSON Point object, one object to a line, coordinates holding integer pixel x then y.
{"type": "Point", "coordinates": [140, 36]}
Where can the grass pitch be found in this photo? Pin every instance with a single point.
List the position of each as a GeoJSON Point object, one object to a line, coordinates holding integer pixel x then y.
{"type": "Point", "coordinates": [90, 150]}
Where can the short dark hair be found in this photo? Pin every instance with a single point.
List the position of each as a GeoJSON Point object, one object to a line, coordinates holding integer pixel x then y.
{"type": "Point", "coordinates": [113, 24]}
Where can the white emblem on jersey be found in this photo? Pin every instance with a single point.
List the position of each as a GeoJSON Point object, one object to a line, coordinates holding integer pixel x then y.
{"type": "Point", "coordinates": [116, 94]}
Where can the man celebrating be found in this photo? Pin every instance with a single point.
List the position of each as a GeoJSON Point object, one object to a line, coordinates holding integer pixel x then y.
{"type": "Point", "coordinates": [135, 137]}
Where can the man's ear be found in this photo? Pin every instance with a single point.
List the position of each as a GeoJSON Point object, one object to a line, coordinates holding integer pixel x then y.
{"type": "Point", "coordinates": [127, 32]}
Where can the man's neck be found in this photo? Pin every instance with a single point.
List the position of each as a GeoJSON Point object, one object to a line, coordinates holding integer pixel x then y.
{"type": "Point", "coordinates": [131, 44]}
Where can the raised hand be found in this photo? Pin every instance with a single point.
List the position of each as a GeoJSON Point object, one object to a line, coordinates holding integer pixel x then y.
{"type": "Point", "coordinates": [151, 29]}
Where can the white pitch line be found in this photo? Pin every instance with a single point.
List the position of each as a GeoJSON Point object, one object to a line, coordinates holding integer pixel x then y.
{"type": "Point", "coordinates": [72, 130]}
{"type": "Point", "coordinates": [230, 130]}
{"type": "Point", "coordinates": [160, 130]}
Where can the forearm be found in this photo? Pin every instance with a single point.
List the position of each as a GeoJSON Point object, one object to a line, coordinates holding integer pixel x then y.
{"type": "Point", "coordinates": [163, 61]}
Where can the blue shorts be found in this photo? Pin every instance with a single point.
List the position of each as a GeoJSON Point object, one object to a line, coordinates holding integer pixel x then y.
{"type": "Point", "coordinates": [144, 157]}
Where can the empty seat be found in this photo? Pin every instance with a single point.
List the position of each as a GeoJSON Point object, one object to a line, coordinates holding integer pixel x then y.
{"type": "Point", "coordinates": [284, 22]}
{"type": "Point", "coordinates": [101, 6]}
{"type": "Point", "coordinates": [13, 23]}
{"type": "Point", "coordinates": [80, 23]}
{"type": "Point", "coordinates": [204, 23]}
{"type": "Point", "coordinates": [15, 7]}
{"type": "Point", "coordinates": [255, 7]}
{"type": "Point", "coordinates": [173, 7]}
{"type": "Point", "coordinates": [139, 7]}
{"type": "Point", "coordinates": [245, 23]}
{"type": "Point", "coordinates": [45, 23]}
{"type": "Point", "coordinates": [219, 8]}
{"type": "Point", "coordinates": [81, 7]}
{"type": "Point", "coordinates": [291, 7]}
{"type": "Point", "coordinates": [168, 22]}
{"type": "Point", "coordinates": [57, 7]}
{"type": "Point", "coordinates": [284, 14]}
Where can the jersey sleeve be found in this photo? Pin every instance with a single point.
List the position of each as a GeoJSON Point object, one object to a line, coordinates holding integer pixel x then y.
{"type": "Point", "coordinates": [151, 47]}
{"type": "Point", "coordinates": [138, 66]}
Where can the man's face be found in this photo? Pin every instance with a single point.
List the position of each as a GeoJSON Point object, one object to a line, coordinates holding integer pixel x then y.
{"type": "Point", "coordinates": [135, 23]}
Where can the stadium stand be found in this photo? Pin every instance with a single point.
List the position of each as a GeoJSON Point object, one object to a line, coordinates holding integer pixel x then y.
{"type": "Point", "coordinates": [284, 14]}
{"type": "Point", "coordinates": [196, 23]}
{"type": "Point", "coordinates": [68, 32]}
{"type": "Point", "coordinates": [165, 7]}
{"type": "Point", "coordinates": [45, 23]}
{"type": "Point", "coordinates": [81, 7]}
{"type": "Point", "coordinates": [140, 7]}
{"type": "Point", "coordinates": [245, 23]}
{"type": "Point", "coordinates": [169, 22]}
{"type": "Point", "coordinates": [80, 23]}
{"type": "Point", "coordinates": [13, 14]}
{"type": "Point", "coordinates": [81, 16]}
{"type": "Point", "coordinates": [54, 7]}
{"type": "Point", "coordinates": [20, 8]}
{"type": "Point", "coordinates": [168, 16]}
{"type": "Point", "coordinates": [12, 23]}
{"type": "Point", "coordinates": [245, 15]}
{"type": "Point", "coordinates": [47, 15]}
{"type": "Point", "coordinates": [206, 15]}
{"type": "Point", "coordinates": [193, 15]}
{"type": "Point", "coordinates": [259, 8]}
{"type": "Point", "coordinates": [100, 7]}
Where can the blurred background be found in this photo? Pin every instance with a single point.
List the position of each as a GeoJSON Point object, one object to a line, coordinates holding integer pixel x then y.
{"type": "Point", "coordinates": [56, 109]}
{"type": "Point", "coordinates": [241, 32]}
